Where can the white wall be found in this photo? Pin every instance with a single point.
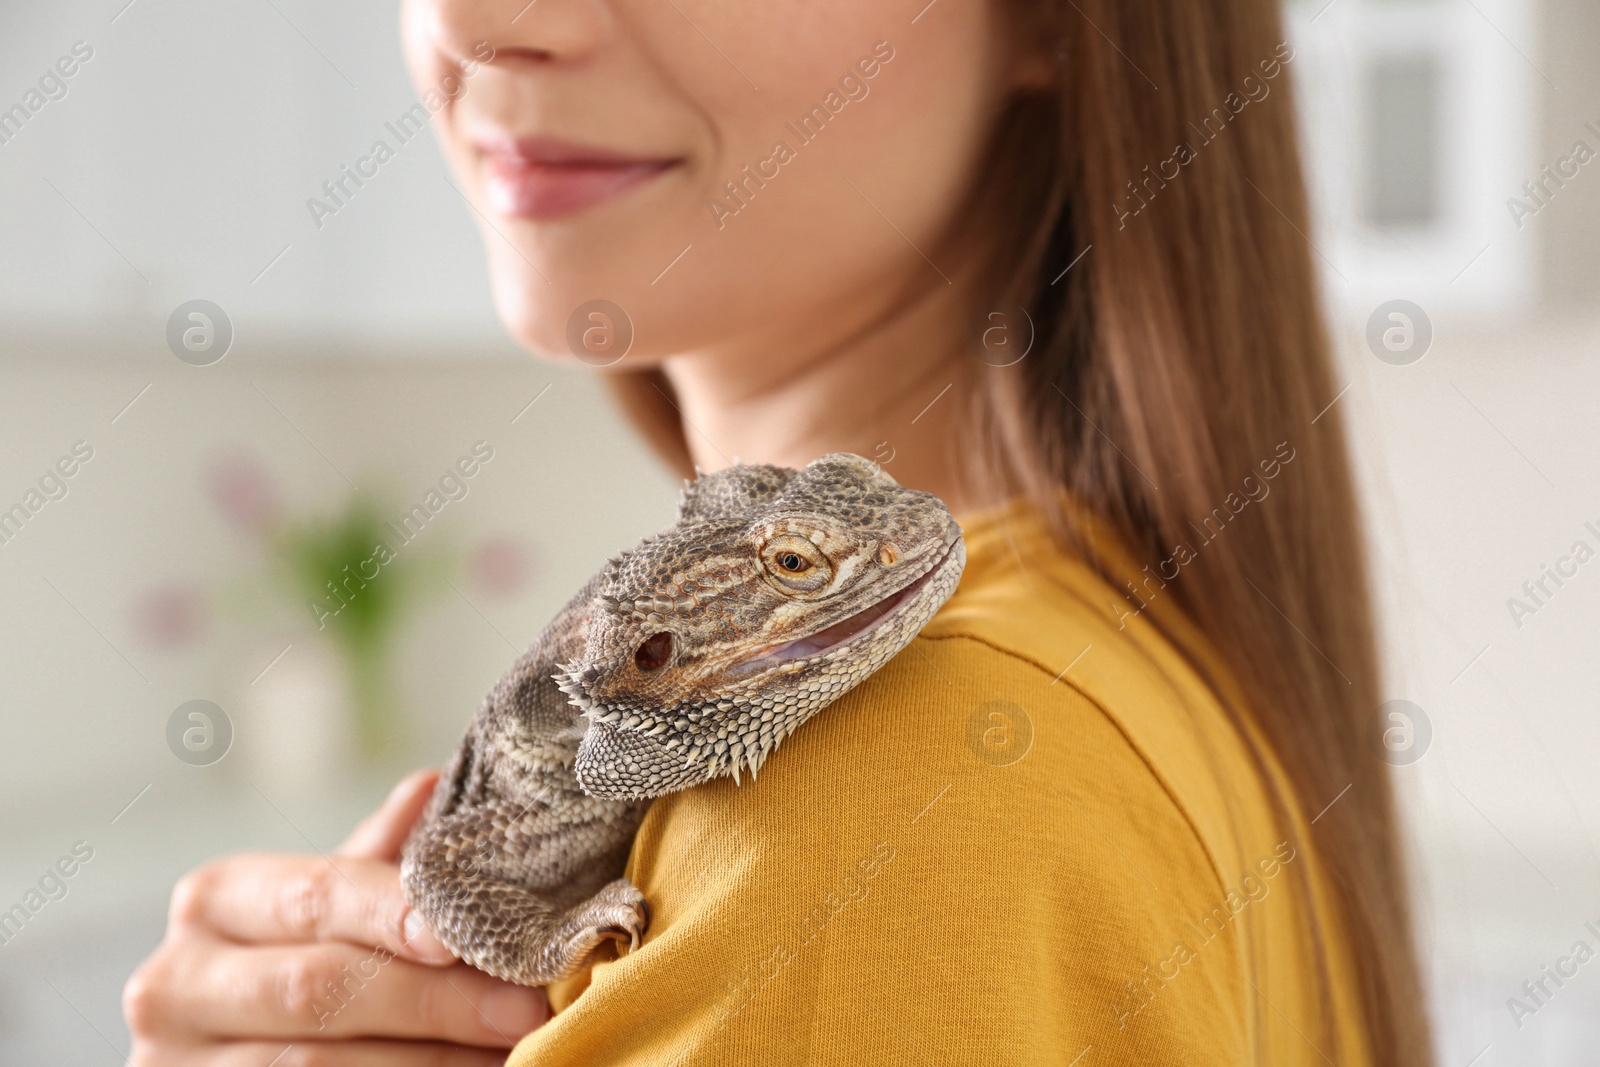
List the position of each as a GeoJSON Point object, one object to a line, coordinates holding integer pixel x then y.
{"type": "Point", "coordinates": [192, 140]}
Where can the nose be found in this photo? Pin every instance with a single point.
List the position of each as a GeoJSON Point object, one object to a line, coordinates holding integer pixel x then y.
{"type": "Point", "coordinates": [509, 31]}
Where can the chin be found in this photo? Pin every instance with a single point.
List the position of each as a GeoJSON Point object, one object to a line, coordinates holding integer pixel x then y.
{"type": "Point", "coordinates": [535, 324]}
{"type": "Point", "coordinates": [594, 323]}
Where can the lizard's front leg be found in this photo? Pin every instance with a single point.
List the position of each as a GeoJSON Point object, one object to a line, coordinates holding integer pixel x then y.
{"type": "Point", "coordinates": [514, 867]}
{"type": "Point", "coordinates": [526, 895]}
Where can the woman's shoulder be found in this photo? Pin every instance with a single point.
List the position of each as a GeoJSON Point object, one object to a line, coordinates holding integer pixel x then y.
{"type": "Point", "coordinates": [1032, 687]}
{"type": "Point", "coordinates": [1019, 829]}
{"type": "Point", "coordinates": [1029, 709]}
{"type": "Point", "coordinates": [1076, 653]}
{"type": "Point", "coordinates": [971, 805]}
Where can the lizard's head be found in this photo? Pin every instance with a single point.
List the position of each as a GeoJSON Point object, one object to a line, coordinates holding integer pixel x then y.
{"type": "Point", "coordinates": [776, 592]}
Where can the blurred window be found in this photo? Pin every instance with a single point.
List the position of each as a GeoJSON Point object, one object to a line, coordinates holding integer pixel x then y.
{"type": "Point", "coordinates": [1420, 119]}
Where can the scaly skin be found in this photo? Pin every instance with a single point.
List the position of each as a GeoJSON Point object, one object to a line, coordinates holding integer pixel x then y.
{"type": "Point", "coordinates": [686, 659]}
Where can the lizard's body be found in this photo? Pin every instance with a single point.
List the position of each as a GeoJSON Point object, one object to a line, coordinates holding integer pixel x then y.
{"type": "Point", "coordinates": [688, 658]}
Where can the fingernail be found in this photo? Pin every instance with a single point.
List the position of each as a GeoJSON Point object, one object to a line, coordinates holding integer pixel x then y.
{"type": "Point", "coordinates": [420, 939]}
{"type": "Point", "coordinates": [514, 1012]}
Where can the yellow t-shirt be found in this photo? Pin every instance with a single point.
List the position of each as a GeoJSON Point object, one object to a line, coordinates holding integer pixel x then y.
{"type": "Point", "coordinates": [1033, 837]}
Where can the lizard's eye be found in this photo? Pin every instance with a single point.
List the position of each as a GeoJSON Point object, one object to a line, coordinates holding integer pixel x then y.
{"type": "Point", "coordinates": [795, 565]}
{"type": "Point", "coordinates": [654, 652]}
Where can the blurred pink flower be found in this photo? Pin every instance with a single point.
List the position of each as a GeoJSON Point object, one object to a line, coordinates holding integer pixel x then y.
{"type": "Point", "coordinates": [243, 490]}
{"type": "Point", "coordinates": [500, 566]}
{"type": "Point", "coordinates": [169, 616]}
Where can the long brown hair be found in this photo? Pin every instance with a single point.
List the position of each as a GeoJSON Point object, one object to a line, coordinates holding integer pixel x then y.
{"type": "Point", "coordinates": [1184, 345]}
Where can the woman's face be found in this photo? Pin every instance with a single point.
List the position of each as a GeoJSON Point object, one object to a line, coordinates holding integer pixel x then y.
{"type": "Point", "coordinates": [721, 172]}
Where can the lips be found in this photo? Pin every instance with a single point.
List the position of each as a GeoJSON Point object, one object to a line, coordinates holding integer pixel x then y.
{"type": "Point", "coordinates": [544, 179]}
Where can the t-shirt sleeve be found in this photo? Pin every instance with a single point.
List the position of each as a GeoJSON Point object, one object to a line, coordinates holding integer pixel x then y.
{"type": "Point", "coordinates": [960, 862]}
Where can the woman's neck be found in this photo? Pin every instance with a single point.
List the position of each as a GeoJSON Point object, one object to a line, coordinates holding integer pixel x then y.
{"type": "Point", "coordinates": [898, 391]}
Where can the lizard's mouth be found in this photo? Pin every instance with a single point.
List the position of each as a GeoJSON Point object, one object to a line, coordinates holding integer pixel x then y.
{"type": "Point", "coordinates": [855, 626]}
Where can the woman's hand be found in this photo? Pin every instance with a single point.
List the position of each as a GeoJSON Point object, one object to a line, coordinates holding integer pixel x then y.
{"type": "Point", "coordinates": [317, 960]}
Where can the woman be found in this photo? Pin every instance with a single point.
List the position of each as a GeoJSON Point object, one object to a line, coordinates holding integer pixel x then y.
{"type": "Point", "coordinates": [1046, 260]}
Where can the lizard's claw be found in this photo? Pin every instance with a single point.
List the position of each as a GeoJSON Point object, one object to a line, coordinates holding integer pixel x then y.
{"type": "Point", "coordinates": [636, 924]}
{"type": "Point", "coordinates": [617, 913]}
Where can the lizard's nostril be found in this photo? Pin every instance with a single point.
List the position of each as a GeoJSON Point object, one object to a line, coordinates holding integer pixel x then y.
{"type": "Point", "coordinates": [654, 652]}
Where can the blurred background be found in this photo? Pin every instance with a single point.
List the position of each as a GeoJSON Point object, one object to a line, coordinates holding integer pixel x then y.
{"type": "Point", "coordinates": [179, 516]}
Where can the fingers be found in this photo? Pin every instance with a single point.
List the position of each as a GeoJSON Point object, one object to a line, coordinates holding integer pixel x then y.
{"type": "Point", "coordinates": [279, 899]}
{"type": "Point", "coordinates": [269, 959]}
{"type": "Point", "coordinates": [315, 1054]}
{"type": "Point", "coordinates": [381, 834]}
{"type": "Point", "coordinates": [326, 992]}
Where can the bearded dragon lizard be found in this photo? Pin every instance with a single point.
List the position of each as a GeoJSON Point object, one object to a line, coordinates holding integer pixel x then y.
{"type": "Point", "coordinates": [686, 659]}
